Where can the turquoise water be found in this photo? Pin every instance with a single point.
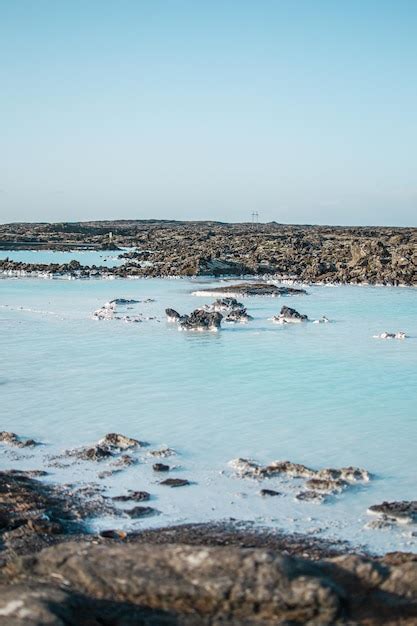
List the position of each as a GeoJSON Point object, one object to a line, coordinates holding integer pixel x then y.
{"type": "Point", "coordinates": [326, 395]}
{"type": "Point", "coordinates": [106, 258]}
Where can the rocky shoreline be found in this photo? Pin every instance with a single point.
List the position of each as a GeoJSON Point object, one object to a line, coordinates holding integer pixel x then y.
{"type": "Point", "coordinates": [53, 572]}
{"type": "Point", "coordinates": [306, 254]}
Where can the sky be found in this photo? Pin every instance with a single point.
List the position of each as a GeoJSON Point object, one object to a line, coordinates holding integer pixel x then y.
{"type": "Point", "coordinates": [302, 110]}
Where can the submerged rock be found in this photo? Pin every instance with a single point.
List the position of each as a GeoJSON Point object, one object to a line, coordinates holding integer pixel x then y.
{"type": "Point", "coordinates": [403, 511]}
{"type": "Point", "coordinates": [140, 511]}
{"type": "Point", "coordinates": [269, 492]}
{"type": "Point", "coordinates": [328, 485]}
{"type": "Point", "coordinates": [138, 496]}
{"type": "Point", "coordinates": [125, 461]}
{"type": "Point", "coordinates": [310, 496]}
{"type": "Point", "coordinates": [322, 320]}
{"type": "Point", "coordinates": [175, 482]}
{"type": "Point", "coordinates": [163, 452]}
{"type": "Point", "coordinates": [289, 316]}
{"type": "Point", "coordinates": [93, 453]}
{"type": "Point", "coordinates": [122, 302]}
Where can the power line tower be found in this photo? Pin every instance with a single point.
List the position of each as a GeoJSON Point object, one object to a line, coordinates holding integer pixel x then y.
{"type": "Point", "coordinates": [255, 219]}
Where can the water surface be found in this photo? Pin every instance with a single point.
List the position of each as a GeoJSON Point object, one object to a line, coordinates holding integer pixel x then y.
{"type": "Point", "coordinates": [325, 395]}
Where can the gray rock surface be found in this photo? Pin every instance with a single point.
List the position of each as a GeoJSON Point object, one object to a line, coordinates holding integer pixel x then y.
{"type": "Point", "coordinates": [180, 584]}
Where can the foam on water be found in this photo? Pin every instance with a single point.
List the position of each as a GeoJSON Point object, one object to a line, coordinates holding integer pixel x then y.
{"type": "Point", "coordinates": [326, 395]}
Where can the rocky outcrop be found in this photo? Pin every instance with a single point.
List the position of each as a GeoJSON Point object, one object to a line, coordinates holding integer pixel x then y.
{"type": "Point", "coordinates": [288, 315]}
{"type": "Point", "coordinates": [11, 439]}
{"type": "Point", "coordinates": [245, 290]}
{"type": "Point", "coordinates": [80, 584]}
{"type": "Point", "coordinates": [319, 483]}
{"type": "Point", "coordinates": [402, 512]}
{"type": "Point", "coordinates": [197, 320]}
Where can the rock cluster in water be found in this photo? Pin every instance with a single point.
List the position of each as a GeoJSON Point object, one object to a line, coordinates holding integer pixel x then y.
{"type": "Point", "coordinates": [398, 335]}
{"type": "Point", "coordinates": [401, 512]}
{"type": "Point", "coordinates": [12, 439]}
{"type": "Point", "coordinates": [319, 483]}
{"type": "Point", "coordinates": [197, 320]}
{"type": "Point", "coordinates": [117, 310]}
{"type": "Point", "coordinates": [325, 254]}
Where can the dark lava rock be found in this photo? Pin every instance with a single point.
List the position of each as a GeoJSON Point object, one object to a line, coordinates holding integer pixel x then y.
{"type": "Point", "coordinates": [138, 496]}
{"type": "Point", "coordinates": [123, 301]}
{"type": "Point", "coordinates": [331, 486]}
{"type": "Point", "coordinates": [160, 467]}
{"type": "Point", "coordinates": [251, 289]}
{"type": "Point", "coordinates": [175, 482]}
{"type": "Point", "coordinates": [32, 511]}
{"type": "Point", "coordinates": [163, 452]}
{"type": "Point", "coordinates": [172, 315]}
{"type": "Point", "coordinates": [238, 316]}
{"type": "Point", "coordinates": [197, 320]}
{"type": "Point", "coordinates": [269, 492]}
{"type": "Point", "coordinates": [290, 316]}
{"type": "Point", "coordinates": [125, 461]}
{"type": "Point", "coordinates": [203, 586]}
{"type": "Point", "coordinates": [310, 496]}
{"type": "Point", "coordinates": [121, 442]}
{"type": "Point", "coordinates": [12, 439]}
{"type": "Point", "coordinates": [401, 511]}
{"type": "Point", "coordinates": [94, 453]}
{"type": "Point", "coordinates": [140, 511]}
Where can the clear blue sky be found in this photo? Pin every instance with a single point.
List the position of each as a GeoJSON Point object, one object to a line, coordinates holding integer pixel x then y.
{"type": "Point", "coordinates": [304, 110]}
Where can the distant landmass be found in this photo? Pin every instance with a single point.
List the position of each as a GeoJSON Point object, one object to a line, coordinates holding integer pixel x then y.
{"type": "Point", "coordinates": [308, 253]}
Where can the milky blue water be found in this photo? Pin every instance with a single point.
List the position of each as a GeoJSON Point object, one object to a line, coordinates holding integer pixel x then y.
{"type": "Point", "coordinates": [326, 395]}
{"type": "Point", "coordinates": [105, 258]}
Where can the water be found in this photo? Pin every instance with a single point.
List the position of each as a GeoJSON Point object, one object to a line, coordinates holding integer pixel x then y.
{"type": "Point", "coordinates": [106, 258]}
{"type": "Point", "coordinates": [325, 395]}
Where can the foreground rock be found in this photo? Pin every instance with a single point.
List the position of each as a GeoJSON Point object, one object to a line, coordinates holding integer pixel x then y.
{"type": "Point", "coordinates": [189, 585]}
